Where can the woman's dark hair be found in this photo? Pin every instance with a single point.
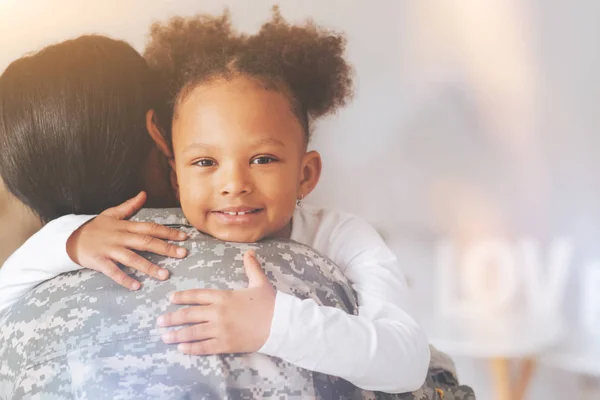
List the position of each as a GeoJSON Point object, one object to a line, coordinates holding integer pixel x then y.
{"type": "Point", "coordinates": [73, 132]}
{"type": "Point", "coordinates": [304, 62]}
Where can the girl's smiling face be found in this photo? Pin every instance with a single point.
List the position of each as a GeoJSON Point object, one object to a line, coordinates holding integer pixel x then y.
{"type": "Point", "coordinates": [240, 159]}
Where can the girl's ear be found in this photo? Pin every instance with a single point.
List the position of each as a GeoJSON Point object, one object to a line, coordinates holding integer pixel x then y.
{"type": "Point", "coordinates": [157, 137]}
{"type": "Point", "coordinates": [310, 173]}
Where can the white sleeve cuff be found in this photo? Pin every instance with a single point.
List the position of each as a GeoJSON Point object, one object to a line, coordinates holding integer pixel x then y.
{"type": "Point", "coordinates": [63, 228]}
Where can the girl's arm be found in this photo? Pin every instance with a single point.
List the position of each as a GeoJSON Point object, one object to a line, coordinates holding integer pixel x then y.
{"type": "Point", "coordinates": [98, 242]}
{"type": "Point", "coordinates": [382, 348]}
{"type": "Point", "coordinates": [42, 257]}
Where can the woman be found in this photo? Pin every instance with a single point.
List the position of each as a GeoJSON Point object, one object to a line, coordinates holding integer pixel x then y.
{"type": "Point", "coordinates": [73, 129]}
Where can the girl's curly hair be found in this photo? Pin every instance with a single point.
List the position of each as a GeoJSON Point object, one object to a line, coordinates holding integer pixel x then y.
{"type": "Point", "coordinates": [305, 62]}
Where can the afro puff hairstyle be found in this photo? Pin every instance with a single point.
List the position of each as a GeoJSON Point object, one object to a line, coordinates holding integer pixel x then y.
{"type": "Point", "coordinates": [304, 62]}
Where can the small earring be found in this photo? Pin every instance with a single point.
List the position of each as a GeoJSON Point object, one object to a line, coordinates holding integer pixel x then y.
{"type": "Point", "coordinates": [299, 201]}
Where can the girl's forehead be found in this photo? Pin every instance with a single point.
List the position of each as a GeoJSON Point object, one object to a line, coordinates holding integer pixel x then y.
{"type": "Point", "coordinates": [238, 89]}
{"type": "Point", "coordinates": [222, 110]}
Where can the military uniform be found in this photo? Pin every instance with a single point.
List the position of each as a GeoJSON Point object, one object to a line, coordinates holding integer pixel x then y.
{"type": "Point", "coordinates": [80, 335]}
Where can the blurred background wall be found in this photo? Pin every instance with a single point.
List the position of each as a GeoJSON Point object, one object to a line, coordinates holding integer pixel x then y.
{"type": "Point", "coordinates": [471, 145]}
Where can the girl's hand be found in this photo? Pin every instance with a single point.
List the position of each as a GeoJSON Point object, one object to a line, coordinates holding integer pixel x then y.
{"type": "Point", "coordinates": [110, 238]}
{"type": "Point", "coordinates": [225, 321]}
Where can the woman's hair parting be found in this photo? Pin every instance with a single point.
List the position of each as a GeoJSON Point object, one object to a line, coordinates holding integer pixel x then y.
{"type": "Point", "coordinates": [304, 62]}
{"type": "Point", "coordinates": [73, 135]}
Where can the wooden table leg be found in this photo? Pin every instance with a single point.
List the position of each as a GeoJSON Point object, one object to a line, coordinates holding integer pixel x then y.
{"type": "Point", "coordinates": [502, 379]}
{"type": "Point", "coordinates": [524, 378]}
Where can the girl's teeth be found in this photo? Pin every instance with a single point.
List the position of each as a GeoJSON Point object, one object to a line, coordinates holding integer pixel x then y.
{"type": "Point", "coordinates": [236, 213]}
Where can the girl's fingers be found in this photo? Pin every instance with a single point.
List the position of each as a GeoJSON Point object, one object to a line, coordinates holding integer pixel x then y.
{"type": "Point", "coordinates": [151, 244]}
{"type": "Point", "coordinates": [115, 273]}
{"type": "Point", "coordinates": [155, 230]}
{"type": "Point", "coordinates": [128, 208]}
{"type": "Point", "coordinates": [187, 315]}
{"type": "Point", "coordinates": [200, 296]}
{"type": "Point", "coordinates": [189, 334]}
{"type": "Point", "coordinates": [254, 272]}
{"type": "Point", "coordinates": [137, 262]}
{"type": "Point", "coordinates": [209, 346]}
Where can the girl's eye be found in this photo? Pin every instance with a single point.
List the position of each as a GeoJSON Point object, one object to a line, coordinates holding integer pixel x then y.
{"type": "Point", "coordinates": [264, 160]}
{"type": "Point", "coordinates": [205, 162]}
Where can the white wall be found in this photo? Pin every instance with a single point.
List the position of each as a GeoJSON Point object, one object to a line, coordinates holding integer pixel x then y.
{"type": "Point", "coordinates": [471, 119]}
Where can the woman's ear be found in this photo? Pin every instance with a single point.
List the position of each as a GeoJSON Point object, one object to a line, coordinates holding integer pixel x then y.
{"type": "Point", "coordinates": [157, 137]}
{"type": "Point", "coordinates": [310, 173]}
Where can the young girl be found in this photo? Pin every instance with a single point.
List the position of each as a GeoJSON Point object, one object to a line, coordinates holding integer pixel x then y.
{"type": "Point", "coordinates": [235, 128]}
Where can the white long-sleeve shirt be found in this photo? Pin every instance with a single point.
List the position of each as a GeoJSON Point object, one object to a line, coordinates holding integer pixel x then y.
{"type": "Point", "coordinates": [382, 348]}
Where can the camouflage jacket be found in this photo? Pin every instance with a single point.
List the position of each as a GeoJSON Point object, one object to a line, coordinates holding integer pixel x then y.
{"type": "Point", "coordinates": [81, 336]}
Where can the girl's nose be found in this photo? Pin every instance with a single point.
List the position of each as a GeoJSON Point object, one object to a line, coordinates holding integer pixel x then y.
{"type": "Point", "coordinates": [235, 181]}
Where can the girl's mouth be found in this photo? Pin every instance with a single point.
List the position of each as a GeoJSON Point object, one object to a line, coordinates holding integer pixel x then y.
{"type": "Point", "coordinates": [240, 212]}
{"type": "Point", "coordinates": [238, 215]}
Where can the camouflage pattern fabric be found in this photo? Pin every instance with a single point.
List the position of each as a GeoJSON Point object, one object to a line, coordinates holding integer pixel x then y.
{"type": "Point", "coordinates": [82, 336]}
